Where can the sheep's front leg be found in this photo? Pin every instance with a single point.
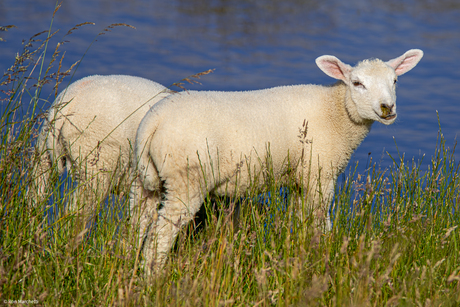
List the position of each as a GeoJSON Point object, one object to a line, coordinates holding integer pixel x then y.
{"type": "Point", "coordinates": [315, 201]}
{"type": "Point", "coordinates": [322, 202]}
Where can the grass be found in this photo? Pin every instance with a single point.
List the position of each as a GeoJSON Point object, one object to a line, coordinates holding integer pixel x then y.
{"type": "Point", "coordinates": [394, 242]}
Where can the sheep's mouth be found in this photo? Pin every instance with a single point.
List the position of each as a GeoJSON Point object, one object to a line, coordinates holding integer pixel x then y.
{"type": "Point", "coordinates": [388, 117]}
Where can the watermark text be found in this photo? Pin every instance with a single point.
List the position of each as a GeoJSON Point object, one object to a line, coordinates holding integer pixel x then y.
{"type": "Point", "coordinates": [20, 302]}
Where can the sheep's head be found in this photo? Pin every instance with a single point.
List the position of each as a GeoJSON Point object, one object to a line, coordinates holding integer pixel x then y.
{"type": "Point", "coordinates": [371, 83]}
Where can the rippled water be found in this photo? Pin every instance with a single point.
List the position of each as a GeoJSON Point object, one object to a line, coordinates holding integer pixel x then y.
{"type": "Point", "coordinates": [258, 44]}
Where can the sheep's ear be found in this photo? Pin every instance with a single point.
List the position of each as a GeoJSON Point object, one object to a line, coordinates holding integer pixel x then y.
{"type": "Point", "coordinates": [333, 67]}
{"type": "Point", "coordinates": [406, 62]}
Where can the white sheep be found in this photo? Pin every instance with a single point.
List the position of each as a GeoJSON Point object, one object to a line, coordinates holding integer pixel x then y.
{"type": "Point", "coordinates": [194, 144]}
{"type": "Point", "coordinates": [91, 128]}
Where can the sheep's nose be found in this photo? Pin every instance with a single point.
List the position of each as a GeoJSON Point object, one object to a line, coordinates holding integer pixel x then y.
{"type": "Point", "coordinates": [386, 108]}
{"type": "Point", "coordinates": [387, 111]}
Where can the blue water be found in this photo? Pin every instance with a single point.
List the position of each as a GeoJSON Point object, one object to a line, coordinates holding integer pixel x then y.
{"type": "Point", "coordinates": [258, 44]}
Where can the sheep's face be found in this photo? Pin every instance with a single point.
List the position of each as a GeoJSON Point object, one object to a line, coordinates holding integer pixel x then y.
{"type": "Point", "coordinates": [372, 89]}
{"type": "Point", "coordinates": [372, 84]}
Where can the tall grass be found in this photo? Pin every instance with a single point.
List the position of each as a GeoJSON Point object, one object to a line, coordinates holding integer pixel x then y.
{"type": "Point", "coordinates": [394, 242]}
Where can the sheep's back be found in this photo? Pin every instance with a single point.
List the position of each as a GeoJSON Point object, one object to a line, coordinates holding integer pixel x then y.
{"type": "Point", "coordinates": [97, 111]}
{"type": "Point", "coordinates": [226, 128]}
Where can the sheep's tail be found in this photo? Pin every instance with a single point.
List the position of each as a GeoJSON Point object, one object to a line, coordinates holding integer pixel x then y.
{"type": "Point", "coordinates": [147, 170]}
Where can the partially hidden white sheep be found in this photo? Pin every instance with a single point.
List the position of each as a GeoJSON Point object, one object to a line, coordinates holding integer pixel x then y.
{"type": "Point", "coordinates": [91, 128]}
{"type": "Point", "coordinates": [227, 137]}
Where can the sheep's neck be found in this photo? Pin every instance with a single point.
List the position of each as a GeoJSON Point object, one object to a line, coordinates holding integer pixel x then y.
{"type": "Point", "coordinates": [352, 129]}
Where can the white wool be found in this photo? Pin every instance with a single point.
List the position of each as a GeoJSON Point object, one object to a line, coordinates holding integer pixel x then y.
{"type": "Point", "coordinates": [91, 127]}
{"type": "Point", "coordinates": [192, 144]}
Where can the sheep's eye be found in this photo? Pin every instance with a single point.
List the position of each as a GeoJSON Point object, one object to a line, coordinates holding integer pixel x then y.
{"type": "Point", "coordinates": [396, 81]}
{"type": "Point", "coordinates": [357, 84]}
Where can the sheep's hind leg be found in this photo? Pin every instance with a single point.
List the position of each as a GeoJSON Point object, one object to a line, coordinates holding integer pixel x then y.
{"type": "Point", "coordinates": [41, 176]}
{"type": "Point", "coordinates": [143, 210]}
{"type": "Point", "coordinates": [91, 190]}
{"type": "Point", "coordinates": [171, 218]}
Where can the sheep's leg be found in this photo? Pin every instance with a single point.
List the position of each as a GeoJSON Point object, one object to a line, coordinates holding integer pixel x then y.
{"type": "Point", "coordinates": [160, 239]}
{"type": "Point", "coordinates": [315, 200]}
{"type": "Point", "coordinates": [97, 167]}
{"type": "Point", "coordinates": [135, 194]}
{"type": "Point", "coordinates": [143, 210]}
{"type": "Point", "coordinates": [171, 218]}
{"type": "Point", "coordinates": [41, 170]}
{"type": "Point", "coordinates": [307, 207]}
{"type": "Point", "coordinates": [322, 201]}
{"type": "Point", "coordinates": [91, 190]}
{"type": "Point", "coordinates": [41, 174]}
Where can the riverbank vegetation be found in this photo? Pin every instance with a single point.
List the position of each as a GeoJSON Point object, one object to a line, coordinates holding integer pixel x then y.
{"type": "Point", "coordinates": [395, 240]}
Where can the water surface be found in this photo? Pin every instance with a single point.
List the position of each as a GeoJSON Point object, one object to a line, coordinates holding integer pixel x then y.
{"type": "Point", "coordinates": [259, 44]}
